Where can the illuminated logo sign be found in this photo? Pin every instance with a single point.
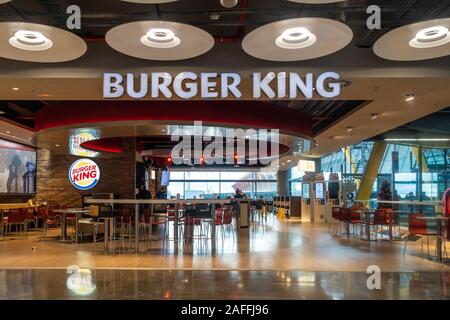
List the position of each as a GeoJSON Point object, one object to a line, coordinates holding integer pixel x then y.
{"type": "Point", "coordinates": [84, 174]}
{"type": "Point", "coordinates": [306, 165]}
{"type": "Point", "coordinates": [213, 85]}
{"type": "Point", "coordinates": [75, 142]}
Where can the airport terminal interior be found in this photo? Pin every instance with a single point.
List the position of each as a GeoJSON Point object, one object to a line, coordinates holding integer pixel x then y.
{"type": "Point", "coordinates": [224, 149]}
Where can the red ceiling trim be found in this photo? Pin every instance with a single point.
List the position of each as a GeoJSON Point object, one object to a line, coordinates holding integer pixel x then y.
{"type": "Point", "coordinates": [253, 114]}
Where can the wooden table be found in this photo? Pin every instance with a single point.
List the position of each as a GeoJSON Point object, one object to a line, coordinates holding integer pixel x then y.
{"type": "Point", "coordinates": [438, 220]}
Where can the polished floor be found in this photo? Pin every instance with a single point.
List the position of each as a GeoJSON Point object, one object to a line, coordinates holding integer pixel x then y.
{"type": "Point", "coordinates": [287, 245]}
{"type": "Point", "coordinates": [229, 285]}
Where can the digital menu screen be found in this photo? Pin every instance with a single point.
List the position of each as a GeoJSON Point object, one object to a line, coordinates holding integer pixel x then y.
{"type": "Point", "coordinates": [319, 190]}
{"type": "Point", "coordinates": [305, 191]}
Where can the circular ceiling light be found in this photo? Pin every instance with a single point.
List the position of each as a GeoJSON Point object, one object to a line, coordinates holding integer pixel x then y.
{"type": "Point", "coordinates": [317, 1]}
{"type": "Point", "coordinates": [30, 40]}
{"type": "Point", "coordinates": [431, 37]}
{"type": "Point", "coordinates": [418, 41]}
{"type": "Point", "coordinates": [39, 43]}
{"type": "Point", "coordinates": [297, 39]}
{"type": "Point", "coordinates": [149, 1]}
{"type": "Point", "coordinates": [159, 40]}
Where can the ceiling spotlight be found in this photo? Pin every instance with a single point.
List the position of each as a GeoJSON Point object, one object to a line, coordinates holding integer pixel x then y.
{"type": "Point", "coordinates": [296, 38]}
{"type": "Point", "coordinates": [349, 129]}
{"type": "Point", "coordinates": [430, 37]}
{"type": "Point", "coordinates": [15, 89]}
{"type": "Point", "coordinates": [30, 41]}
{"type": "Point", "coordinates": [2, 112]}
{"type": "Point", "coordinates": [57, 145]}
{"type": "Point", "coordinates": [288, 161]}
{"type": "Point", "coordinates": [8, 132]}
{"type": "Point", "coordinates": [409, 97]}
{"type": "Point", "coordinates": [373, 116]}
{"type": "Point", "coordinates": [160, 38]}
{"type": "Point", "coordinates": [228, 3]}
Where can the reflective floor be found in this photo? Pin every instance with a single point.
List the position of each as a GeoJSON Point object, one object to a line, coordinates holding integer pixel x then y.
{"type": "Point", "coordinates": [164, 284]}
{"type": "Point", "coordinates": [287, 245]}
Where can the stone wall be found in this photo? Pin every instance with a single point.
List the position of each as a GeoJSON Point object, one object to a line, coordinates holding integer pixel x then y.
{"type": "Point", "coordinates": [117, 175]}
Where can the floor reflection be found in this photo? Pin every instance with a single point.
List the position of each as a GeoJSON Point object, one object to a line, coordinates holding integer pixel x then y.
{"type": "Point", "coordinates": [183, 284]}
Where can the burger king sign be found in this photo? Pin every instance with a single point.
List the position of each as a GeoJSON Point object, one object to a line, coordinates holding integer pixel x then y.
{"type": "Point", "coordinates": [84, 174]}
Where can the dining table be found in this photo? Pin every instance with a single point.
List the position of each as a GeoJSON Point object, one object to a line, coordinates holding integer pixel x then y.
{"type": "Point", "coordinates": [64, 212]}
{"type": "Point", "coordinates": [438, 219]}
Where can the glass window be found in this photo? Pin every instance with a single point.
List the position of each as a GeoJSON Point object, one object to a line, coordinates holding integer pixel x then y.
{"type": "Point", "coordinates": [175, 188]}
{"type": "Point", "coordinates": [236, 175]}
{"type": "Point", "coordinates": [176, 175]}
{"type": "Point", "coordinates": [201, 190]}
{"type": "Point", "coordinates": [202, 175]}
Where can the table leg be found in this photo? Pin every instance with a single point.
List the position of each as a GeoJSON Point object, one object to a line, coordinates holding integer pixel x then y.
{"type": "Point", "coordinates": [347, 228]}
{"type": "Point", "coordinates": [438, 241]}
{"type": "Point", "coordinates": [390, 226]}
{"type": "Point", "coordinates": [368, 225]}
{"type": "Point", "coordinates": [175, 230]}
{"type": "Point", "coordinates": [213, 230]}
{"type": "Point", "coordinates": [64, 227]}
{"type": "Point", "coordinates": [76, 226]}
{"type": "Point", "coordinates": [106, 234]}
{"type": "Point", "coordinates": [136, 228]}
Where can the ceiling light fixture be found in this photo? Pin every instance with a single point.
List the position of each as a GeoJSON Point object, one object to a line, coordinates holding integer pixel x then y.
{"type": "Point", "coordinates": [30, 41]}
{"type": "Point", "coordinates": [57, 145]}
{"type": "Point", "coordinates": [409, 97]}
{"type": "Point", "coordinates": [295, 38]}
{"type": "Point", "coordinates": [160, 38]}
{"type": "Point", "coordinates": [8, 132]}
{"type": "Point", "coordinates": [373, 116]}
{"type": "Point", "coordinates": [15, 89]}
{"type": "Point", "coordinates": [2, 112]}
{"type": "Point", "coordinates": [349, 129]}
{"type": "Point", "coordinates": [420, 139]}
{"type": "Point", "coordinates": [431, 37]}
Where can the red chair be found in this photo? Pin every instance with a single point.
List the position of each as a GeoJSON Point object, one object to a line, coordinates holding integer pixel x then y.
{"type": "Point", "coordinates": [29, 218]}
{"type": "Point", "coordinates": [380, 219]}
{"type": "Point", "coordinates": [335, 214]}
{"type": "Point", "coordinates": [355, 220]}
{"type": "Point", "coordinates": [16, 217]}
{"type": "Point", "coordinates": [51, 220]}
{"type": "Point", "coordinates": [224, 219]}
{"type": "Point", "coordinates": [418, 227]}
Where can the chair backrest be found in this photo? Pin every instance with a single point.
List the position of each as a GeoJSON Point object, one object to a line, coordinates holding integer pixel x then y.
{"type": "Point", "coordinates": [345, 214]}
{"type": "Point", "coordinates": [227, 216]}
{"type": "Point", "coordinates": [145, 218]}
{"type": "Point", "coordinates": [335, 212]}
{"type": "Point", "coordinates": [380, 217]}
{"type": "Point", "coordinates": [16, 216]}
{"type": "Point", "coordinates": [416, 226]}
{"type": "Point", "coordinates": [126, 215]}
{"type": "Point", "coordinates": [219, 216]}
{"type": "Point", "coordinates": [29, 214]}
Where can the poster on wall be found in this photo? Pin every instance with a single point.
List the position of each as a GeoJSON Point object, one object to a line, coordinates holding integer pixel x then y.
{"type": "Point", "coordinates": [17, 168]}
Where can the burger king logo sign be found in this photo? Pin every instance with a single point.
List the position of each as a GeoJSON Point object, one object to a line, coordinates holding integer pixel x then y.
{"type": "Point", "coordinates": [84, 174]}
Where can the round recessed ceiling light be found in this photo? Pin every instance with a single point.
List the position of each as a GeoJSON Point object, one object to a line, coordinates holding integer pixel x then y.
{"type": "Point", "coordinates": [431, 37]}
{"type": "Point", "coordinates": [159, 40]}
{"type": "Point", "coordinates": [418, 41]}
{"type": "Point", "coordinates": [30, 40]}
{"type": "Point", "coordinates": [317, 1]}
{"type": "Point", "coordinates": [297, 39]}
{"type": "Point", "coordinates": [149, 1]}
{"type": "Point", "coordinates": [39, 43]}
